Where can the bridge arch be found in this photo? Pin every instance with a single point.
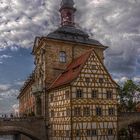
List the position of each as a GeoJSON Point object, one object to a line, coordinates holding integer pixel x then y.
{"type": "Point", "coordinates": [13, 130]}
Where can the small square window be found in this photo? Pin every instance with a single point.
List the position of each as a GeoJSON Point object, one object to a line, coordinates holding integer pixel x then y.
{"type": "Point", "coordinates": [67, 94]}
{"type": "Point", "coordinates": [86, 111]}
{"type": "Point", "coordinates": [93, 67]}
{"type": "Point", "coordinates": [101, 80]}
{"type": "Point", "coordinates": [98, 111]}
{"type": "Point", "coordinates": [67, 133]}
{"type": "Point", "coordinates": [109, 95]}
{"type": "Point", "coordinates": [87, 80]}
{"type": "Point", "coordinates": [79, 93]}
{"type": "Point", "coordinates": [110, 131]}
{"type": "Point", "coordinates": [94, 94]}
{"type": "Point", "coordinates": [77, 111]}
{"type": "Point", "coordinates": [51, 97]}
{"type": "Point", "coordinates": [68, 112]}
{"type": "Point", "coordinates": [88, 133]}
{"type": "Point", "coordinates": [52, 113]}
{"type": "Point", "coordinates": [111, 111]}
{"type": "Point", "coordinates": [78, 133]}
{"type": "Point", "coordinates": [93, 132]}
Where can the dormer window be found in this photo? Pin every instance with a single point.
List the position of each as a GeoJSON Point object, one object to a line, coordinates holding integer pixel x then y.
{"type": "Point", "coordinates": [62, 57]}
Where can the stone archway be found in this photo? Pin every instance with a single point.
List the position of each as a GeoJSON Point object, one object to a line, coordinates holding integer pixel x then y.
{"type": "Point", "coordinates": [12, 130]}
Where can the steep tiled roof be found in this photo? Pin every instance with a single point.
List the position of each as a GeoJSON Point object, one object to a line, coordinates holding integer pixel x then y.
{"type": "Point", "coordinates": [72, 71]}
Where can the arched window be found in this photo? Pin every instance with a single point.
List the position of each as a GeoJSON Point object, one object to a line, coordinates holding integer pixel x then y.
{"type": "Point", "coordinates": [62, 57]}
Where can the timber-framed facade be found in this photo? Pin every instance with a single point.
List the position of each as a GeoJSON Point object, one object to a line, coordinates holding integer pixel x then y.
{"type": "Point", "coordinates": [84, 107]}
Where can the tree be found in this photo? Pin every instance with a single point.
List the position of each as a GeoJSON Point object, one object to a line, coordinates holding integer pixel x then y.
{"type": "Point", "coordinates": [129, 94]}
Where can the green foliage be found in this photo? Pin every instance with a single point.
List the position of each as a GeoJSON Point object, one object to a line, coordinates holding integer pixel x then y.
{"type": "Point", "coordinates": [123, 134]}
{"type": "Point", "coordinates": [128, 95]}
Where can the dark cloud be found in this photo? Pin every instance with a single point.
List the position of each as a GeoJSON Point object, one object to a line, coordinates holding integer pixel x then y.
{"type": "Point", "coordinates": [115, 23]}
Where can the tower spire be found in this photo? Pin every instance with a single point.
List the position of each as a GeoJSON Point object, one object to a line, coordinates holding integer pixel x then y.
{"type": "Point", "coordinates": [67, 11]}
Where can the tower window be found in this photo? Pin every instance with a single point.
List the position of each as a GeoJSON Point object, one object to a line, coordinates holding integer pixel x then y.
{"type": "Point", "coordinates": [79, 93]}
{"type": "Point", "coordinates": [62, 57]}
{"type": "Point", "coordinates": [98, 111]}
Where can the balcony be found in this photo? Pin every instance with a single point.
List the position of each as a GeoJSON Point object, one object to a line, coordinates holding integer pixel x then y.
{"type": "Point", "coordinates": [37, 89]}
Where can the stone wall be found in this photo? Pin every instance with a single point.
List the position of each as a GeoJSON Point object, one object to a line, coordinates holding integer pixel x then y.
{"type": "Point", "coordinates": [31, 127]}
{"type": "Point", "coordinates": [128, 118]}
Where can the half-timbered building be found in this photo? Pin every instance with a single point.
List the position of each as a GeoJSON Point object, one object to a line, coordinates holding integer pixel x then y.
{"type": "Point", "coordinates": [26, 98]}
{"type": "Point", "coordinates": [83, 101]}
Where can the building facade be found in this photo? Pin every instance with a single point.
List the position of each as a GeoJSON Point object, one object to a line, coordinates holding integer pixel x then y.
{"type": "Point", "coordinates": [26, 99]}
{"type": "Point", "coordinates": [72, 89]}
{"type": "Point", "coordinates": [83, 101]}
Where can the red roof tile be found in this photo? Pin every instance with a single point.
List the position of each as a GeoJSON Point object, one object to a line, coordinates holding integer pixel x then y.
{"type": "Point", "coordinates": [72, 71]}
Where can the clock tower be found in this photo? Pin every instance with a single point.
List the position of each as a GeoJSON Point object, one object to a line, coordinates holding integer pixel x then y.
{"type": "Point", "coordinates": [67, 11]}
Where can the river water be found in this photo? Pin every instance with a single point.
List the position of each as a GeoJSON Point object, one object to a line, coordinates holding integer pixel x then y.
{"type": "Point", "coordinates": [6, 138]}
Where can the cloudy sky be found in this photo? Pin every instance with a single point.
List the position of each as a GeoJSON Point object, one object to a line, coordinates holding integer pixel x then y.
{"type": "Point", "coordinates": [115, 23]}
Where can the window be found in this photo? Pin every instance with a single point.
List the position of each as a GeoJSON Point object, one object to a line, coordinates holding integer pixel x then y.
{"type": "Point", "coordinates": [94, 94]}
{"type": "Point", "coordinates": [52, 113]}
{"type": "Point", "coordinates": [98, 111]}
{"type": "Point", "coordinates": [78, 133]}
{"type": "Point", "coordinates": [87, 80]}
{"type": "Point", "coordinates": [79, 93]}
{"type": "Point", "coordinates": [101, 80]}
{"type": "Point", "coordinates": [67, 94]}
{"type": "Point", "coordinates": [88, 133]}
{"type": "Point", "coordinates": [51, 97]}
{"type": "Point", "coordinates": [68, 112]}
{"type": "Point", "coordinates": [77, 111]}
{"type": "Point", "coordinates": [93, 67]}
{"type": "Point", "coordinates": [62, 57]}
{"type": "Point", "coordinates": [93, 132]}
{"type": "Point", "coordinates": [111, 111]}
{"type": "Point", "coordinates": [67, 133]}
{"type": "Point", "coordinates": [109, 95]}
{"type": "Point", "coordinates": [110, 131]}
{"type": "Point", "coordinates": [86, 111]}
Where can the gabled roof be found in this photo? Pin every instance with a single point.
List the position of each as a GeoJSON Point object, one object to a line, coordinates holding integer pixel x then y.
{"type": "Point", "coordinates": [72, 71]}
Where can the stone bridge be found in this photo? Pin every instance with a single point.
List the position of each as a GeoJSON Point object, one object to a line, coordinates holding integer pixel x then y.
{"type": "Point", "coordinates": [34, 128]}
{"type": "Point", "coordinates": [128, 118]}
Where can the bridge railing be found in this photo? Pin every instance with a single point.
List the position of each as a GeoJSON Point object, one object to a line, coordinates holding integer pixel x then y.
{"type": "Point", "coordinates": [20, 119]}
